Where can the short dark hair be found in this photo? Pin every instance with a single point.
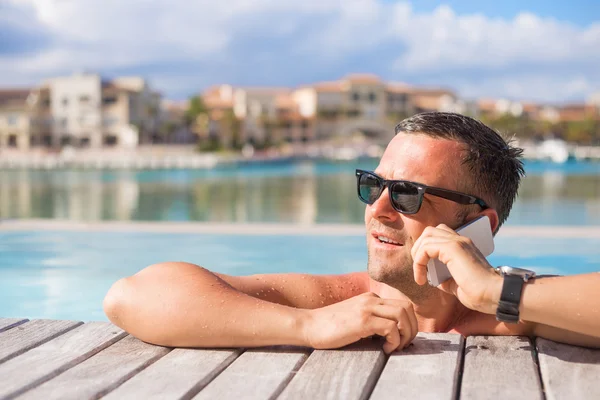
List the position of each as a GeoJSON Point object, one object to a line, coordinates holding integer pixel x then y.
{"type": "Point", "coordinates": [495, 164]}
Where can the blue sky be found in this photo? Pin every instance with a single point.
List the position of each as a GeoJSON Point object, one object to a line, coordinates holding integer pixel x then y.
{"type": "Point", "coordinates": [581, 12]}
{"type": "Point", "coordinates": [537, 50]}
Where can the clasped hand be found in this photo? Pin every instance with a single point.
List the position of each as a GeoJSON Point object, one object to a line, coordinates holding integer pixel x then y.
{"type": "Point", "coordinates": [359, 317]}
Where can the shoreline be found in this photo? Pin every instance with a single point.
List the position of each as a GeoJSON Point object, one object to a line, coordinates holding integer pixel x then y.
{"type": "Point", "coordinates": [564, 231]}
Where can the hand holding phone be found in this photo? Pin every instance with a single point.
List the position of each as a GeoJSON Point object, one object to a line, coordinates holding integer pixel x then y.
{"type": "Point", "coordinates": [480, 232]}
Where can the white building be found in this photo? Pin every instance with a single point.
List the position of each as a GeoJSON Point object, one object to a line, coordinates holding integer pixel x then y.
{"type": "Point", "coordinates": [85, 111]}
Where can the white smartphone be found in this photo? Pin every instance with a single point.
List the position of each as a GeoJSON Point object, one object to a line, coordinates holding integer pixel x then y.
{"type": "Point", "coordinates": [480, 232]}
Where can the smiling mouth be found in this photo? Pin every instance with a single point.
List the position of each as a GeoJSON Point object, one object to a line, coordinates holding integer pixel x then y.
{"type": "Point", "coordinates": [384, 239]}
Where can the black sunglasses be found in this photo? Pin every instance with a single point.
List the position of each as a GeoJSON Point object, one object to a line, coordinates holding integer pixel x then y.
{"type": "Point", "coordinates": [406, 197]}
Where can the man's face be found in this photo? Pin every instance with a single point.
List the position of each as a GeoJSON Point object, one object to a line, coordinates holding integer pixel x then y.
{"type": "Point", "coordinates": [422, 159]}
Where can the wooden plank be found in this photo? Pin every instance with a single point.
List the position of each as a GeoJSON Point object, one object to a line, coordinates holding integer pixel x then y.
{"type": "Point", "coordinates": [31, 334]}
{"type": "Point", "coordinates": [425, 370]}
{"type": "Point", "coordinates": [56, 356]}
{"type": "Point", "coordinates": [348, 373]}
{"type": "Point", "coordinates": [500, 367]}
{"type": "Point", "coordinates": [8, 323]}
{"type": "Point", "coordinates": [569, 372]}
{"type": "Point", "coordinates": [101, 373]}
{"type": "Point", "coordinates": [261, 372]}
{"type": "Point", "coordinates": [180, 374]}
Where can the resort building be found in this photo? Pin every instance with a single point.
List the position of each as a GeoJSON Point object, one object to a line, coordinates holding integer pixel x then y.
{"type": "Point", "coordinates": [357, 106]}
{"type": "Point", "coordinates": [15, 119]}
{"type": "Point", "coordinates": [81, 110]}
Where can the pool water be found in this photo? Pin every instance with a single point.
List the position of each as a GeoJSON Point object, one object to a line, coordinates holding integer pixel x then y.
{"type": "Point", "coordinates": [305, 192]}
{"type": "Point", "coordinates": [65, 275]}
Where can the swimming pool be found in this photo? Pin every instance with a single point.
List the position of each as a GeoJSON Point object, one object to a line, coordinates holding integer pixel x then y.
{"type": "Point", "coordinates": [65, 274]}
{"type": "Point", "coordinates": [303, 192]}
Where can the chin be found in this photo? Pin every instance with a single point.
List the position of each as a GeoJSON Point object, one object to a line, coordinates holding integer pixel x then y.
{"type": "Point", "coordinates": [393, 271]}
{"type": "Point", "coordinates": [386, 273]}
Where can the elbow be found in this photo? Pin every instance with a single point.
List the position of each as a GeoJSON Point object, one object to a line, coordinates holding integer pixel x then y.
{"type": "Point", "coordinates": [146, 305]}
{"type": "Point", "coordinates": [115, 302]}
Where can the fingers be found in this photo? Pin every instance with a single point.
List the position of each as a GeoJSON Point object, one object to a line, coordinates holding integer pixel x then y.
{"type": "Point", "coordinates": [438, 243]}
{"type": "Point", "coordinates": [389, 330]}
{"type": "Point", "coordinates": [432, 235]}
{"type": "Point", "coordinates": [404, 317]}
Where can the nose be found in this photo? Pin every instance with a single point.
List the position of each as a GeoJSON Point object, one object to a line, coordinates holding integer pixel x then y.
{"type": "Point", "coordinates": [382, 208]}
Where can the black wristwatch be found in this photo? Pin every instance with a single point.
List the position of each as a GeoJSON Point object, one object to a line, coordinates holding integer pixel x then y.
{"type": "Point", "coordinates": [510, 298]}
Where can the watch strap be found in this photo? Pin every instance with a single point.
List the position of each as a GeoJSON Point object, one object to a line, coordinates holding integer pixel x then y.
{"type": "Point", "coordinates": [510, 298]}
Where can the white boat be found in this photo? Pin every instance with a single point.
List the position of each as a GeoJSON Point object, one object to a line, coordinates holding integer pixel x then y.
{"type": "Point", "coordinates": [555, 150]}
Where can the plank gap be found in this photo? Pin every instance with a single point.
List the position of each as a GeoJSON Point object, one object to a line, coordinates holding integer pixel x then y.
{"type": "Point", "coordinates": [12, 324]}
{"type": "Point", "coordinates": [64, 367]}
{"type": "Point", "coordinates": [374, 377]}
{"type": "Point", "coordinates": [460, 365]}
{"type": "Point", "coordinates": [212, 375]}
{"type": "Point", "coordinates": [290, 376]}
{"type": "Point", "coordinates": [130, 375]}
{"type": "Point", "coordinates": [536, 360]}
{"type": "Point", "coordinates": [39, 342]}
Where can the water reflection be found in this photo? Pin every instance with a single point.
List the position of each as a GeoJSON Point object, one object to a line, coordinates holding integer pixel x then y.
{"type": "Point", "coordinates": [302, 193]}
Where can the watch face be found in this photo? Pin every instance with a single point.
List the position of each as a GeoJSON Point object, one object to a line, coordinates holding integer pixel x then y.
{"type": "Point", "coordinates": [526, 274]}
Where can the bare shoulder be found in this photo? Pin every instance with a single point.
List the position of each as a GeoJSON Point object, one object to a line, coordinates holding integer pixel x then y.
{"type": "Point", "coordinates": [301, 290]}
{"type": "Point", "coordinates": [476, 323]}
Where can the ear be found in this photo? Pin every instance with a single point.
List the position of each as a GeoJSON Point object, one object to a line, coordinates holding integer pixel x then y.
{"type": "Point", "coordinates": [493, 216]}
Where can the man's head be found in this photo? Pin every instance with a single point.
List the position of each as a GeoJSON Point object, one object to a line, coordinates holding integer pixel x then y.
{"type": "Point", "coordinates": [447, 151]}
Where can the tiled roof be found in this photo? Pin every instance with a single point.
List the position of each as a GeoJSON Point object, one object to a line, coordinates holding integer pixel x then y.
{"type": "Point", "coordinates": [426, 102]}
{"type": "Point", "coordinates": [13, 97]}
{"type": "Point", "coordinates": [362, 78]}
{"type": "Point", "coordinates": [334, 86]}
{"type": "Point", "coordinates": [399, 87]}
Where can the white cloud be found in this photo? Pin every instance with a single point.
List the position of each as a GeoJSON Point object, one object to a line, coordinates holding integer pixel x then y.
{"type": "Point", "coordinates": [445, 39]}
{"type": "Point", "coordinates": [530, 86]}
{"type": "Point", "coordinates": [526, 56]}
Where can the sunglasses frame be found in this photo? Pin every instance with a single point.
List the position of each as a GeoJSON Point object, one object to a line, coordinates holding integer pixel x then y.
{"type": "Point", "coordinates": [457, 197]}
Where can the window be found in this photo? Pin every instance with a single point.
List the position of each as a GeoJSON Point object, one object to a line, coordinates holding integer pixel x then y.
{"type": "Point", "coordinates": [372, 97]}
{"type": "Point", "coordinates": [65, 101]}
{"type": "Point", "coordinates": [355, 96]}
{"type": "Point", "coordinates": [84, 142]}
{"type": "Point", "coordinates": [47, 140]}
{"type": "Point", "coordinates": [65, 140]}
{"type": "Point", "coordinates": [110, 140]}
{"type": "Point", "coordinates": [84, 99]}
{"type": "Point", "coordinates": [12, 141]}
{"type": "Point", "coordinates": [12, 119]}
{"type": "Point", "coordinates": [109, 100]}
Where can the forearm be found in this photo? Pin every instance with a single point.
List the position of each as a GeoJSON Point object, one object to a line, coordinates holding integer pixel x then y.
{"type": "Point", "coordinates": [188, 306]}
{"type": "Point", "coordinates": [568, 302]}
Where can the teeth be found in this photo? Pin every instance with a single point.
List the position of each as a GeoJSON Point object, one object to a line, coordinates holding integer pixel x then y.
{"type": "Point", "coordinates": [386, 240]}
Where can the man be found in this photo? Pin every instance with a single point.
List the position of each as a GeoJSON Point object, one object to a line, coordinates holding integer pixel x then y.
{"type": "Point", "coordinates": [442, 170]}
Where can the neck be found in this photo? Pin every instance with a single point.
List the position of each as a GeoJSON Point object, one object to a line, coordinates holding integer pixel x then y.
{"type": "Point", "coordinates": [436, 312]}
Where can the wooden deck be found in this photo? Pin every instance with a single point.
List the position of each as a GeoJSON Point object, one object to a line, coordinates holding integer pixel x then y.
{"type": "Point", "coordinates": [48, 359]}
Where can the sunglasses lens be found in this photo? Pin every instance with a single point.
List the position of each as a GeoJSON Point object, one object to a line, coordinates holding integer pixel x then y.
{"type": "Point", "coordinates": [369, 188]}
{"type": "Point", "coordinates": [406, 197]}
